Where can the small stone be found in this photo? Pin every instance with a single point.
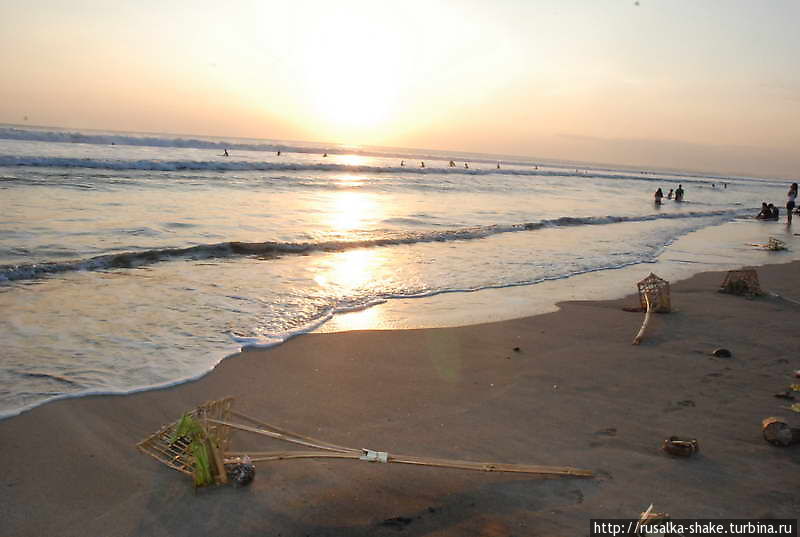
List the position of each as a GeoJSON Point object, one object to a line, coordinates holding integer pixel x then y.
{"type": "Point", "coordinates": [722, 353]}
{"type": "Point", "coordinates": [517, 349]}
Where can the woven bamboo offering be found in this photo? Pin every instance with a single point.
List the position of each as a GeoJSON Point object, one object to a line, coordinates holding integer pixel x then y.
{"type": "Point", "coordinates": [217, 420]}
{"type": "Point", "coordinates": [741, 282]}
{"type": "Point", "coordinates": [654, 297]}
{"type": "Point", "coordinates": [776, 244]}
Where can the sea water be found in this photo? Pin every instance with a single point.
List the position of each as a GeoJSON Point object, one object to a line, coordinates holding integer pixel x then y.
{"type": "Point", "coordinates": [132, 261]}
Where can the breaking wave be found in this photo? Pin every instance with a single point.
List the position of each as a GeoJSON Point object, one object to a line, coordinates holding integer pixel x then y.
{"type": "Point", "coordinates": [274, 249]}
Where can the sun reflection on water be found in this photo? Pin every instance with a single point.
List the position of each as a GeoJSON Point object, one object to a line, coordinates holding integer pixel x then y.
{"type": "Point", "coordinates": [350, 180]}
{"type": "Point", "coordinates": [349, 211]}
{"type": "Point", "coordinates": [351, 160]}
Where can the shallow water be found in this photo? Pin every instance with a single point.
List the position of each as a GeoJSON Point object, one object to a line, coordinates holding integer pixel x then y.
{"type": "Point", "coordinates": [128, 266]}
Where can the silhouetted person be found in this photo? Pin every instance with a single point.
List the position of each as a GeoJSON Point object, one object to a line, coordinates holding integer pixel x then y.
{"type": "Point", "coordinates": [422, 164]}
{"type": "Point", "coordinates": [669, 195]}
{"type": "Point", "coordinates": [658, 195]}
{"type": "Point", "coordinates": [466, 165]}
{"type": "Point", "coordinates": [679, 193]}
{"type": "Point", "coordinates": [226, 153]}
{"type": "Point", "coordinates": [791, 197]}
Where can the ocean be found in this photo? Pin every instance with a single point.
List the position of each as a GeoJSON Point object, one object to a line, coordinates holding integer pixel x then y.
{"type": "Point", "coordinates": [134, 261]}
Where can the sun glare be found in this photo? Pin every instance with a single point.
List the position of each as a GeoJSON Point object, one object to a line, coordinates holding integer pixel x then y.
{"type": "Point", "coordinates": [351, 78]}
{"type": "Point", "coordinates": [351, 160]}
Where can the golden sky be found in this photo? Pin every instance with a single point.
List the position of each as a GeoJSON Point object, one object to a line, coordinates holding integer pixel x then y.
{"type": "Point", "coordinates": [711, 84]}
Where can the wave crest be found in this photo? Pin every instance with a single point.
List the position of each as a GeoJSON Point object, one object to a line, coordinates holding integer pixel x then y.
{"type": "Point", "coordinates": [274, 249]}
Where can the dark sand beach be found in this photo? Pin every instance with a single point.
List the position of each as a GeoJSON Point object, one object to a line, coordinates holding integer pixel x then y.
{"type": "Point", "coordinates": [577, 393]}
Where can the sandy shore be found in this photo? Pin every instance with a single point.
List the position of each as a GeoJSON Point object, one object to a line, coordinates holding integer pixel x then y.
{"type": "Point", "coordinates": [576, 394]}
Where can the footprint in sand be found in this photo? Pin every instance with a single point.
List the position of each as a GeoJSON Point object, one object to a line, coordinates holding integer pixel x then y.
{"type": "Point", "coordinates": [686, 403]}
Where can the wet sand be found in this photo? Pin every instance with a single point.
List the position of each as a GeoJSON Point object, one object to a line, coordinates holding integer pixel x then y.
{"type": "Point", "coordinates": [576, 393]}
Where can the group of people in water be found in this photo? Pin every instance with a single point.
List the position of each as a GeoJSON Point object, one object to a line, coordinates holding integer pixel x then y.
{"type": "Point", "coordinates": [452, 164]}
{"type": "Point", "coordinates": [676, 194]}
{"type": "Point", "coordinates": [402, 162]}
{"type": "Point", "coordinates": [770, 212]}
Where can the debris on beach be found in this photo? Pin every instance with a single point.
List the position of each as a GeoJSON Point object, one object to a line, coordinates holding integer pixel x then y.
{"type": "Point", "coordinates": [778, 433]}
{"type": "Point", "coordinates": [681, 447]}
{"type": "Point", "coordinates": [654, 296]}
{"type": "Point", "coordinates": [242, 472]}
{"type": "Point", "coordinates": [722, 353]}
{"type": "Point", "coordinates": [648, 518]}
{"type": "Point", "coordinates": [199, 445]}
{"type": "Point", "coordinates": [742, 282]}
{"type": "Point", "coordinates": [786, 394]}
{"type": "Point", "coordinates": [774, 245]}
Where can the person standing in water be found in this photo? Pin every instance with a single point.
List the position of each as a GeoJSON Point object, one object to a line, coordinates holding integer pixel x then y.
{"type": "Point", "coordinates": [658, 196]}
{"type": "Point", "coordinates": [791, 197]}
{"type": "Point", "coordinates": [226, 153]}
{"type": "Point", "coordinates": [679, 193]}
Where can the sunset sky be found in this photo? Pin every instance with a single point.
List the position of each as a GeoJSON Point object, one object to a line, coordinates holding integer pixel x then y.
{"type": "Point", "coordinates": [709, 84]}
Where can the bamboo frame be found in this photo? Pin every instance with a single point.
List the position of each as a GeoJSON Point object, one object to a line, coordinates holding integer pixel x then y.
{"type": "Point", "coordinates": [742, 282]}
{"type": "Point", "coordinates": [655, 290]}
{"type": "Point", "coordinates": [216, 418]}
{"type": "Point", "coordinates": [177, 454]}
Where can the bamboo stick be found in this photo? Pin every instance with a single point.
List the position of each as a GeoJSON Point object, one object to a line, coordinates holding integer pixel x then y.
{"type": "Point", "coordinates": [638, 339]}
{"type": "Point", "coordinates": [310, 442]}
{"type": "Point", "coordinates": [174, 454]}
{"type": "Point", "coordinates": [352, 453]}
{"type": "Point", "coordinates": [556, 471]}
{"type": "Point", "coordinates": [276, 429]}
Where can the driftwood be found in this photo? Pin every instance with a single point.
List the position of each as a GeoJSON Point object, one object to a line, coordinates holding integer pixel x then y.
{"type": "Point", "coordinates": [217, 418]}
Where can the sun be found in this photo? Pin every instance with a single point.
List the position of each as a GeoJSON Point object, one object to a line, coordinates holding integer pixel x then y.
{"type": "Point", "coordinates": [350, 76]}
